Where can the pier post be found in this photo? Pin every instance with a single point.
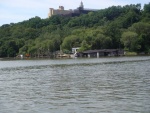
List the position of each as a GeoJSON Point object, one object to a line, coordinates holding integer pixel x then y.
{"type": "Point", "coordinates": [97, 54]}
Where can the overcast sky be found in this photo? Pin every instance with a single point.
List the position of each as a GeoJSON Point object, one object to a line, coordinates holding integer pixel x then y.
{"type": "Point", "coordinates": [13, 11]}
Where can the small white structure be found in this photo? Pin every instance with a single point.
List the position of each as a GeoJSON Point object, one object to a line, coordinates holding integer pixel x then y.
{"type": "Point", "coordinates": [74, 52]}
{"type": "Point", "coordinates": [21, 56]}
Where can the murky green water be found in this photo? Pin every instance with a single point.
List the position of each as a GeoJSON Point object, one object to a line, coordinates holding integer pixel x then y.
{"type": "Point", "coordinates": [103, 85]}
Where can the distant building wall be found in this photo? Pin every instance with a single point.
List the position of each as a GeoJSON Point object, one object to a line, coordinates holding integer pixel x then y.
{"type": "Point", "coordinates": [72, 13]}
{"type": "Point", "coordinates": [59, 11]}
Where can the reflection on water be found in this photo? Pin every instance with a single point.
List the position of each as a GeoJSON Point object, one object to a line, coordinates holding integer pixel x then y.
{"type": "Point", "coordinates": [118, 85]}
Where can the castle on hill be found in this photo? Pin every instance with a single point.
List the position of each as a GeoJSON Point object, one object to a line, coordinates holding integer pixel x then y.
{"type": "Point", "coordinates": [63, 12]}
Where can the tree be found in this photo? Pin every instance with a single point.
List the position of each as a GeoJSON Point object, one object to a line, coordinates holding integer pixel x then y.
{"type": "Point", "coordinates": [84, 46]}
{"type": "Point", "coordinates": [71, 41]}
{"type": "Point", "coordinates": [101, 42]}
{"type": "Point", "coordinates": [130, 41]}
{"type": "Point", "coordinates": [142, 29]}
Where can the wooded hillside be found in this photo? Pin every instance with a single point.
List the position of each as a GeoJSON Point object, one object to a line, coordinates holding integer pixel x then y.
{"type": "Point", "coordinates": [126, 27]}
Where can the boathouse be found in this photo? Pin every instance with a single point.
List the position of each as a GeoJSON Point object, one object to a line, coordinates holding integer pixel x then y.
{"type": "Point", "coordinates": [103, 52]}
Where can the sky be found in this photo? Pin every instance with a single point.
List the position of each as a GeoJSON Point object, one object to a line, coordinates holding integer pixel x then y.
{"type": "Point", "coordinates": [14, 11]}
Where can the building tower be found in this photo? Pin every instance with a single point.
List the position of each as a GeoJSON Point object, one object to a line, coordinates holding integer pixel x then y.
{"type": "Point", "coordinates": [81, 5]}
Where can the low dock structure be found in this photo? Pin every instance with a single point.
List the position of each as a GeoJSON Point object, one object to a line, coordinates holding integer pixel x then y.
{"type": "Point", "coordinates": [102, 52]}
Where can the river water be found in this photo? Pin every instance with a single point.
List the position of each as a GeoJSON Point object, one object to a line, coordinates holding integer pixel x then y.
{"type": "Point", "coordinates": [98, 85]}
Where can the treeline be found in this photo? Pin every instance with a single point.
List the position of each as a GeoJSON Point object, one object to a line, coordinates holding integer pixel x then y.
{"type": "Point", "coordinates": [126, 27]}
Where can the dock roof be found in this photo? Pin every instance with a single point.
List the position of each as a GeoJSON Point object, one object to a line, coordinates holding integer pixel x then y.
{"type": "Point", "coordinates": [100, 50]}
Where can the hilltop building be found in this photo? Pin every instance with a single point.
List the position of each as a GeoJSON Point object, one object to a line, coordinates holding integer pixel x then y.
{"type": "Point", "coordinates": [76, 12]}
{"type": "Point", "coordinates": [59, 11]}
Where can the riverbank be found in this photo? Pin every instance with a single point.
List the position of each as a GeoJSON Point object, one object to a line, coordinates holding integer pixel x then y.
{"type": "Point", "coordinates": [61, 58]}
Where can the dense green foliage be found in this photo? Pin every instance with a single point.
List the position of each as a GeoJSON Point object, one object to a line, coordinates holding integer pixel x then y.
{"type": "Point", "coordinates": [115, 27]}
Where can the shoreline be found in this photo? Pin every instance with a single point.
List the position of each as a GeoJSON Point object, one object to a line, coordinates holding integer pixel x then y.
{"type": "Point", "coordinates": [47, 58]}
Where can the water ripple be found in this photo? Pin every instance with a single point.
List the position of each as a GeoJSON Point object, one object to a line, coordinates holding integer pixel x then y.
{"type": "Point", "coordinates": [99, 86]}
